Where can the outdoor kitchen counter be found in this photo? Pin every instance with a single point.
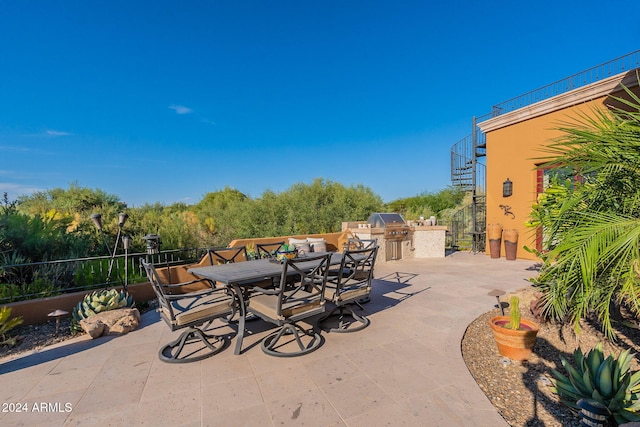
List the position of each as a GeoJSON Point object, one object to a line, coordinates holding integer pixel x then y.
{"type": "Point", "coordinates": [429, 241]}
{"type": "Point", "coordinates": [425, 241]}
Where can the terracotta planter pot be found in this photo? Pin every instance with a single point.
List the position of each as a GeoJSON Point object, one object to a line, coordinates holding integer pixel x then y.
{"type": "Point", "coordinates": [494, 248]}
{"type": "Point", "coordinates": [516, 344]}
{"type": "Point", "coordinates": [510, 238]}
{"type": "Point", "coordinates": [494, 233]}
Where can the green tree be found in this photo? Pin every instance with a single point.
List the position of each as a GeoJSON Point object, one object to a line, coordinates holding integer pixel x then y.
{"type": "Point", "coordinates": [76, 204]}
{"type": "Point", "coordinates": [41, 238]}
{"type": "Point", "coordinates": [322, 206]}
{"type": "Point", "coordinates": [74, 200]}
{"type": "Point", "coordinates": [220, 214]}
{"type": "Point", "coordinates": [177, 224]}
{"type": "Point", "coordinates": [592, 229]}
{"type": "Point", "coordinates": [319, 207]}
{"type": "Point", "coordinates": [427, 204]}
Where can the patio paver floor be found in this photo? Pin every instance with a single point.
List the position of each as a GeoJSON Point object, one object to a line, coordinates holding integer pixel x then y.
{"type": "Point", "coordinates": [404, 369]}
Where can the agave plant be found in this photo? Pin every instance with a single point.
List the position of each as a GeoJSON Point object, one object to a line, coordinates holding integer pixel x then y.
{"type": "Point", "coordinates": [97, 302]}
{"type": "Point", "coordinates": [605, 380]}
{"type": "Point", "coordinates": [6, 324]}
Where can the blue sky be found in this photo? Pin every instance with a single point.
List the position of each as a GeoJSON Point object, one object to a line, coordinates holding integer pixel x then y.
{"type": "Point", "coordinates": [165, 101]}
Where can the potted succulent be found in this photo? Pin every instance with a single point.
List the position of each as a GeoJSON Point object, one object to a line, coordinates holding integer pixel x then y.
{"type": "Point", "coordinates": [515, 336]}
{"type": "Point", "coordinates": [251, 252]}
{"type": "Point", "coordinates": [286, 252]}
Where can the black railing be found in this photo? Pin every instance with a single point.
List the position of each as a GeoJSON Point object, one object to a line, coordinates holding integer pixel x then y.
{"type": "Point", "coordinates": [20, 282]}
{"type": "Point", "coordinates": [619, 65]}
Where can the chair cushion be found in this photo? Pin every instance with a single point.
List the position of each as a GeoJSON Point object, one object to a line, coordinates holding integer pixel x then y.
{"type": "Point", "coordinates": [329, 292]}
{"type": "Point", "coordinates": [192, 309]}
{"type": "Point", "coordinates": [346, 295]}
{"type": "Point", "coordinates": [353, 294]}
{"type": "Point", "coordinates": [267, 305]}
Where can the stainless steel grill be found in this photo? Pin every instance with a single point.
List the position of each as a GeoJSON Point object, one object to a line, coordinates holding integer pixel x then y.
{"type": "Point", "coordinates": [395, 227]}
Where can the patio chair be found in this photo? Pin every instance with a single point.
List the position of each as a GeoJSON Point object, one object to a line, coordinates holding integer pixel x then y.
{"type": "Point", "coordinates": [227, 255]}
{"type": "Point", "coordinates": [349, 288]}
{"type": "Point", "coordinates": [268, 250]}
{"type": "Point", "coordinates": [193, 312]}
{"type": "Point", "coordinates": [355, 243]}
{"type": "Point", "coordinates": [231, 255]}
{"type": "Point", "coordinates": [178, 274]}
{"type": "Point", "coordinates": [298, 296]}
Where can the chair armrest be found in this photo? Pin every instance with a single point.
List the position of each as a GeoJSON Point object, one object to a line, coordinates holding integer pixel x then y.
{"type": "Point", "coordinates": [191, 282]}
{"type": "Point", "coordinates": [176, 297]}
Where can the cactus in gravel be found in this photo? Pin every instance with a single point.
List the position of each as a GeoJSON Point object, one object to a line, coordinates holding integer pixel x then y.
{"type": "Point", "coordinates": [97, 302]}
{"type": "Point", "coordinates": [514, 313]}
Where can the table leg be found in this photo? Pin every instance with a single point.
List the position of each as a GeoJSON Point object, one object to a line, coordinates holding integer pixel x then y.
{"type": "Point", "coordinates": [241, 321]}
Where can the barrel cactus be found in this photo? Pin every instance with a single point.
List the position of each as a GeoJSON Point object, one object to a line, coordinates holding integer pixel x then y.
{"type": "Point", "coordinates": [97, 302]}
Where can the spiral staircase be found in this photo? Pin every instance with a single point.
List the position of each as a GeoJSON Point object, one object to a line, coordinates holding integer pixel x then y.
{"type": "Point", "coordinates": [468, 172]}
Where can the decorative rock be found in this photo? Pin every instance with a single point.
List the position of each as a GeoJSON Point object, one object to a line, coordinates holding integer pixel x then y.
{"type": "Point", "coordinates": [112, 322]}
{"type": "Point", "coordinates": [505, 361]}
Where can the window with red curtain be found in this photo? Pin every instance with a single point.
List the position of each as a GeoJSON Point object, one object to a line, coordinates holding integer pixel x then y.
{"type": "Point", "coordinates": [543, 179]}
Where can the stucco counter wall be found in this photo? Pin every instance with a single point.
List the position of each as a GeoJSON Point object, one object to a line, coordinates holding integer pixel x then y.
{"type": "Point", "coordinates": [429, 241]}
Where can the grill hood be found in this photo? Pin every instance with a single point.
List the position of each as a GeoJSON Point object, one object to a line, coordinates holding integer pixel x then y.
{"type": "Point", "coordinates": [383, 220]}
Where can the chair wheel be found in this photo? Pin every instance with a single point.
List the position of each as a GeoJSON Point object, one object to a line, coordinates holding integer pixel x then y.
{"type": "Point", "coordinates": [345, 326]}
{"type": "Point", "coordinates": [272, 342]}
{"type": "Point", "coordinates": [171, 353]}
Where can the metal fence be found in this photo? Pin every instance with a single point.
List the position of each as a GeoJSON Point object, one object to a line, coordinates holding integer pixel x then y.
{"type": "Point", "coordinates": [466, 231]}
{"type": "Point", "coordinates": [20, 282]}
{"type": "Point", "coordinates": [619, 65]}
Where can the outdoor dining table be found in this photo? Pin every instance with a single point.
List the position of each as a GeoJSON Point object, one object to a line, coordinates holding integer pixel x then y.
{"type": "Point", "coordinates": [239, 275]}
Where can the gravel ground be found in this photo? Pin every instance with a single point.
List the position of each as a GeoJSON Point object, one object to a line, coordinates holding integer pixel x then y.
{"type": "Point", "coordinates": [520, 391]}
{"type": "Point", "coordinates": [35, 337]}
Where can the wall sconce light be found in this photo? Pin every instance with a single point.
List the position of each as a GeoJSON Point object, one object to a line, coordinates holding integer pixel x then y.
{"type": "Point", "coordinates": [126, 241]}
{"type": "Point", "coordinates": [507, 188]}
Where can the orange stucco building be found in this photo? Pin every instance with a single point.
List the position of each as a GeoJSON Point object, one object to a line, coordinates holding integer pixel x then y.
{"type": "Point", "coordinates": [513, 150]}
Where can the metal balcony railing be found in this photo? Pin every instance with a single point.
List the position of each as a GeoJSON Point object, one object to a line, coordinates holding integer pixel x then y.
{"type": "Point", "coordinates": [619, 65]}
{"type": "Point", "coordinates": [20, 282]}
